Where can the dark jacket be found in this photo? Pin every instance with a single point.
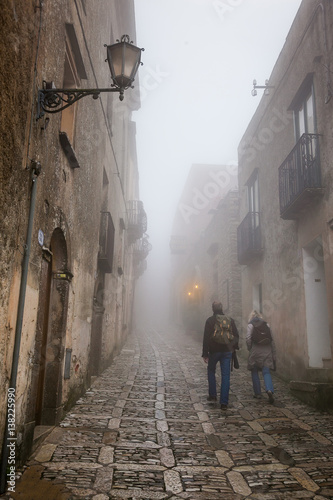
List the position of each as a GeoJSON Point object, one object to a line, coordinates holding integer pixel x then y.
{"type": "Point", "coordinates": [260, 356]}
{"type": "Point", "coordinates": [210, 346]}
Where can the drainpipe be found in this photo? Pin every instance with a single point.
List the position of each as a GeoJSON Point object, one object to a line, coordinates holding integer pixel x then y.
{"type": "Point", "coordinates": [8, 440]}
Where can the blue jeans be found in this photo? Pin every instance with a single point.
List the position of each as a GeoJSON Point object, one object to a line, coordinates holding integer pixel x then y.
{"type": "Point", "coordinates": [225, 361]}
{"type": "Point", "coordinates": [267, 380]}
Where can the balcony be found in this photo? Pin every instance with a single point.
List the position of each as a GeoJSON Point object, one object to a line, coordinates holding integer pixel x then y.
{"type": "Point", "coordinates": [140, 268]}
{"type": "Point", "coordinates": [299, 178]}
{"type": "Point", "coordinates": [137, 220]}
{"type": "Point", "coordinates": [141, 249]}
{"type": "Point", "coordinates": [249, 238]}
{"type": "Point", "coordinates": [106, 243]}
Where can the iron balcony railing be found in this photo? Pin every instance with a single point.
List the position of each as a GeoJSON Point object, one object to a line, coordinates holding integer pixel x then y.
{"type": "Point", "coordinates": [140, 269]}
{"type": "Point", "coordinates": [137, 219]}
{"type": "Point", "coordinates": [299, 176]}
{"type": "Point", "coordinates": [249, 238]}
{"type": "Point", "coordinates": [141, 249]}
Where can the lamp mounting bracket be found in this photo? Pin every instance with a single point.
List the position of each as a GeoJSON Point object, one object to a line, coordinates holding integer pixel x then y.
{"type": "Point", "coordinates": [52, 100]}
{"type": "Point", "coordinates": [265, 87]}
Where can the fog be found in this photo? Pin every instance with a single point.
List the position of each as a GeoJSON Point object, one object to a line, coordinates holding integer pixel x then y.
{"type": "Point", "coordinates": [200, 59]}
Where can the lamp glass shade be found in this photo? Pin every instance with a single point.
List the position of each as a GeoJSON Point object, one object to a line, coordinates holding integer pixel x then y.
{"type": "Point", "coordinates": [124, 59]}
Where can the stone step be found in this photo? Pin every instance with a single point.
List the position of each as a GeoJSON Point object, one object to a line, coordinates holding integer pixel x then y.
{"type": "Point", "coordinates": [40, 433]}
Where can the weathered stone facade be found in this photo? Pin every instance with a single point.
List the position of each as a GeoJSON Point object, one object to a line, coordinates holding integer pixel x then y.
{"type": "Point", "coordinates": [216, 253]}
{"type": "Point", "coordinates": [86, 221]}
{"type": "Point", "coordinates": [285, 178]}
{"type": "Point", "coordinates": [204, 247]}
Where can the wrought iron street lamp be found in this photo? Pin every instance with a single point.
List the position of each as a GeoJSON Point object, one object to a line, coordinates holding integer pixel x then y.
{"type": "Point", "coordinates": [124, 59]}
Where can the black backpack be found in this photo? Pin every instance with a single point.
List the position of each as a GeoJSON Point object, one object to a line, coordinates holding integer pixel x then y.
{"type": "Point", "coordinates": [261, 334]}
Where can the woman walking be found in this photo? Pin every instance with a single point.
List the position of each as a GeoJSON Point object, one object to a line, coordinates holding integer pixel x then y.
{"type": "Point", "coordinates": [262, 354]}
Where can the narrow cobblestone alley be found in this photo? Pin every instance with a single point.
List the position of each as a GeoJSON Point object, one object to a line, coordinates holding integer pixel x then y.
{"type": "Point", "coordinates": [145, 430]}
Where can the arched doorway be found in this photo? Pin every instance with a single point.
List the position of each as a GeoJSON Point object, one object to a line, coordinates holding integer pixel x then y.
{"type": "Point", "coordinates": [51, 331]}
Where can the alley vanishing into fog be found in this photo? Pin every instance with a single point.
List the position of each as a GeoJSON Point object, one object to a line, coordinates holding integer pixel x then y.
{"type": "Point", "coordinates": [159, 156]}
{"type": "Point", "coordinates": [145, 430]}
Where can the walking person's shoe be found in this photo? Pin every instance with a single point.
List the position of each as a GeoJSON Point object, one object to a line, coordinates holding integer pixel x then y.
{"type": "Point", "coordinates": [270, 397]}
{"type": "Point", "coordinates": [224, 407]}
{"type": "Point", "coordinates": [212, 398]}
{"type": "Point", "coordinates": [257, 396]}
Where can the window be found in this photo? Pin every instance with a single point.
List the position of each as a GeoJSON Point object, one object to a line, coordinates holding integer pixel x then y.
{"type": "Point", "coordinates": [71, 80]}
{"type": "Point", "coordinates": [74, 72]}
{"type": "Point", "coordinates": [106, 243]}
{"type": "Point", "coordinates": [304, 117]}
{"type": "Point", "coordinates": [253, 197]}
{"type": "Point", "coordinates": [257, 297]}
{"type": "Point", "coordinates": [249, 231]}
{"type": "Point", "coordinates": [303, 106]}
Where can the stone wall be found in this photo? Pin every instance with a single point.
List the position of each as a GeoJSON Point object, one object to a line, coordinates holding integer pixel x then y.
{"type": "Point", "coordinates": [281, 266]}
{"type": "Point", "coordinates": [74, 308]}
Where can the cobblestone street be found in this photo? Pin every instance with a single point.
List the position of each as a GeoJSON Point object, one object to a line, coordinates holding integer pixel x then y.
{"type": "Point", "coordinates": [146, 430]}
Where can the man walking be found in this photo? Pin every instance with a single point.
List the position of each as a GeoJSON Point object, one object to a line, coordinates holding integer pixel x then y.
{"type": "Point", "coordinates": [219, 342]}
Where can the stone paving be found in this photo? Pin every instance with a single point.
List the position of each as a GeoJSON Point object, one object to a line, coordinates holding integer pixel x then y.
{"type": "Point", "coordinates": [145, 430]}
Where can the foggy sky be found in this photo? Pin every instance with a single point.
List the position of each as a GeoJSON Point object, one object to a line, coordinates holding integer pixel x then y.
{"type": "Point", "coordinates": [200, 59]}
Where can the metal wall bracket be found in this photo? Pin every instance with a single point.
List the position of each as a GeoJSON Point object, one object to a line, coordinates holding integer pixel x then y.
{"type": "Point", "coordinates": [52, 100]}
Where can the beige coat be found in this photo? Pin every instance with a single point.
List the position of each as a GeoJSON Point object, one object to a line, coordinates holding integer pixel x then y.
{"type": "Point", "coordinates": [260, 356]}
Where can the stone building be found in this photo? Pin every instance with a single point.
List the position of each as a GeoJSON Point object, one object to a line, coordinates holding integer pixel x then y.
{"type": "Point", "coordinates": [285, 237]}
{"type": "Point", "coordinates": [219, 258]}
{"type": "Point", "coordinates": [69, 181]}
{"type": "Point", "coordinates": [204, 247]}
